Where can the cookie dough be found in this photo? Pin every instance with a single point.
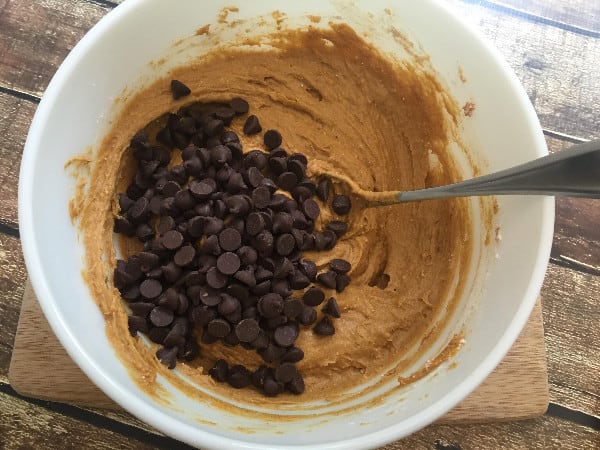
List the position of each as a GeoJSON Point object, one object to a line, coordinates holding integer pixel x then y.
{"type": "Point", "coordinates": [352, 112]}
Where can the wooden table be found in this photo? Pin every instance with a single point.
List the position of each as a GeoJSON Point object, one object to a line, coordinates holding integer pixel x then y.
{"type": "Point", "coordinates": [553, 46]}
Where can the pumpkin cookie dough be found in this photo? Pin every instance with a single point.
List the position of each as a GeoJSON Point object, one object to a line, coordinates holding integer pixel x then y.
{"type": "Point", "coordinates": [335, 99]}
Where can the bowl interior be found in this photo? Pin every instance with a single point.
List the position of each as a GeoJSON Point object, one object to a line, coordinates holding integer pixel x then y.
{"type": "Point", "coordinates": [76, 111]}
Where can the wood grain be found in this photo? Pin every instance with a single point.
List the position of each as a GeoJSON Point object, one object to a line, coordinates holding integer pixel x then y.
{"type": "Point", "coordinates": [571, 320]}
{"type": "Point", "coordinates": [576, 231]}
{"type": "Point", "coordinates": [538, 434]}
{"type": "Point", "coordinates": [556, 67]}
{"type": "Point", "coordinates": [37, 36]}
{"type": "Point", "coordinates": [41, 368]}
{"type": "Point", "coordinates": [29, 426]}
{"type": "Point", "coordinates": [12, 280]}
{"type": "Point", "coordinates": [584, 14]}
{"type": "Point", "coordinates": [15, 116]}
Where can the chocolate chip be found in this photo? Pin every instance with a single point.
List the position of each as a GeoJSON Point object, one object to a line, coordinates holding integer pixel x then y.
{"type": "Point", "coordinates": [330, 239]}
{"type": "Point", "coordinates": [271, 353]}
{"type": "Point", "coordinates": [287, 181]}
{"type": "Point", "coordinates": [135, 324]}
{"type": "Point", "coordinates": [323, 190]}
{"type": "Point", "coordinates": [261, 342]}
{"type": "Point", "coordinates": [203, 189]}
{"type": "Point", "coordinates": [281, 287]}
{"type": "Point", "coordinates": [270, 387]}
{"type": "Point", "coordinates": [308, 316]}
{"type": "Point", "coordinates": [311, 208]}
{"type": "Point", "coordinates": [309, 268]}
{"type": "Point", "coordinates": [230, 239]}
{"type": "Point", "coordinates": [340, 265]}
{"type": "Point", "coordinates": [338, 227]}
{"type": "Point", "coordinates": [297, 168]}
{"type": "Point", "coordinates": [248, 255]}
{"type": "Point", "coordinates": [255, 158]}
{"type": "Point", "coordinates": [270, 305]}
{"type": "Point", "coordinates": [150, 288]}
{"type": "Point", "coordinates": [169, 301]}
{"type": "Point", "coordinates": [299, 280]}
{"type": "Point", "coordinates": [261, 197]}
{"type": "Point", "coordinates": [327, 279]}
{"type": "Point", "coordinates": [219, 371]}
{"type": "Point", "coordinates": [341, 205]}
{"type": "Point", "coordinates": [229, 305]}
{"type": "Point", "coordinates": [228, 263]}
{"type": "Point", "coordinates": [158, 334]}
{"type": "Point", "coordinates": [255, 223]}
{"type": "Point", "coordinates": [139, 210]}
{"type": "Point", "coordinates": [285, 335]}
{"type": "Point", "coordinates": [239, 377]}
{"type": "Point", "coordinates": [324, 327]}
{"type": "Point", "coordinates": [285, 372]}
{"type": "Point", "coordinates": [165, 224]}
{"type": "Point", "coordinates": [313, 296]}
{"type": "Point", "coordinates": [215, 279]}
{"type": "Point", "coordinates": [141, 309]}
{"type": "Point", "coordinates": [239, 105]}
{"type": "Point", "coordinates": [282, 222]}
{"type": "Point", "coordinates": [213, 225]}
{"type": "Point", "coordinates": [238, 205]}
{"type": "Point", "coordinates": [259, 375]}
{"type": "Point", "coordinates": [172, 240]}
{"type": "Point", "coordinates": [211, 246]}
{"type": "Point", "coordinates": [342, 281]}
{"type": "Point", "coordinates": [278, 165]}
{"type": "Point", "coordinates": [171, 272]}
{"type": "Point", "coordinates": [178, 89]}
{"type": "Point", "coordinates": [263, 242]}
{"type": "Point", "coordinates": [300, 158]}
{"type": "Point", "coordinates": [247, 330]}
{"type": "Point", "coordinates": [123, 226]}
{"type": "Point", "coordinates": [332, 308]}
{"type": "Point", "coordinates": [252, 125]}
{"type": "Point", "coordinates": [218, 328]}
{"type": "Point", "coordinates": [226, 115]}
{"type": "Point", "coordinates": [285, 244]}
{"type": "Point", "coordinates": [292, 308]}
{"type": "Point", "coordinates": [167, 356]}
{"type": "Point", "coordinates": [184, 256]}
{"type": "Point", "coordinates": [148, 261]}
{"type": "Point", "coordinates": [296, 385]}
{"type": "Point", "coordinates": [321, 241]}
{"type": "Point", "coordinates": [220, 154]}
{"type": "Point", "coordinates": [293, 355]}
{"type": "Point", "coordinates": [161, 316]}
{"type": "Point", "coordinates": [272, 139]}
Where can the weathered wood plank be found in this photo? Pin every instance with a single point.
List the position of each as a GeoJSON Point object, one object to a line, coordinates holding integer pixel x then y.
{"type": "Point", "coordinates": [26, 425]}
{"type": "Point", "coordinates": [576, 230]}
{"type": "Point", "coordinates": [15, 116]}
{"type": "Point", "coordinates": [37, 36]}
{"type": "Point", "coordinates": [12, 280]}
{"type": "Point", "coordinates": [571, 309]}
{"type": "Point", "coordinates": [582, 14]}
{"type": "Point", "coordinates": [557, 68]}
{"type": "Point", "coordinates": [543, 433]}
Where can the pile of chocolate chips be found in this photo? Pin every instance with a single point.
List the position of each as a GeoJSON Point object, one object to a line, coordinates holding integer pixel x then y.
{"type": "Point", "coordinates": [223, 246]}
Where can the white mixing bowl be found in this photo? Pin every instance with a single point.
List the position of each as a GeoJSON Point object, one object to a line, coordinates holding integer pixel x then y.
{"type": "Point", "coordinates": [114, 56]}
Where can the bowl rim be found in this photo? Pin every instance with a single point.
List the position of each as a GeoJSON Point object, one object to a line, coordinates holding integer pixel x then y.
{"type": "Point", "coordinates": [181, 430]}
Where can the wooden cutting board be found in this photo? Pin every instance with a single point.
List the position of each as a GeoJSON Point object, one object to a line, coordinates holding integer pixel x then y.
{"type": "Point", "coordinates": [517, 389]}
